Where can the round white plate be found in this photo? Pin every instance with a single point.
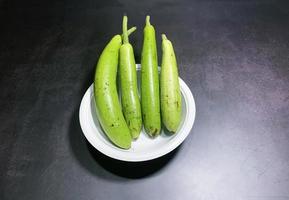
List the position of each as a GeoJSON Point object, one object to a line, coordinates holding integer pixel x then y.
{"type": "Point", "coordinates": [144, 148]}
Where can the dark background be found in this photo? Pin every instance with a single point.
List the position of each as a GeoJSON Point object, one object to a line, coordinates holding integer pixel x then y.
{"type": "Point", "coordinates": [234, 56]}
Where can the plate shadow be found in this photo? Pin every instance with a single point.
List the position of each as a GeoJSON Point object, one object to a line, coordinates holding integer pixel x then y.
{"type": "Point", "coordinates": [132, 170]}
{"type": "Point", "coordinates": [96, 162]}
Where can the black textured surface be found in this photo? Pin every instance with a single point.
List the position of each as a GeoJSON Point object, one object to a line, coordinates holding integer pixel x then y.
{"type": "Point", "coordinates": [234, 55]}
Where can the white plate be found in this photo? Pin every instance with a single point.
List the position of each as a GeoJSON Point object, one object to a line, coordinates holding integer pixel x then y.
{"type": "Point", "coordinates": [144, 148]}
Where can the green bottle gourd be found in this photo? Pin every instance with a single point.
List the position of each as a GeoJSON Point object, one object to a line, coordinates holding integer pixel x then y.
{"type": "Point", "coordinates": [150, 97]}
{"type": "Point", "coordinates": [171, 102]}
{"type": "Point", "coordinates": [128, 83]}
{"type": "Point", "coordinates": [108, 108]}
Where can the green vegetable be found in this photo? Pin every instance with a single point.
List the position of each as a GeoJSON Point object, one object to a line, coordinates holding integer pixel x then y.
{"type": "Point", "coordinates": [108, 108]}
{"type": "Point", "coordinates": [128, 83]}
{"type": "Point", "coordinates": [150, 82]}
{"type": "Point", "coordinates": [171, 103]}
